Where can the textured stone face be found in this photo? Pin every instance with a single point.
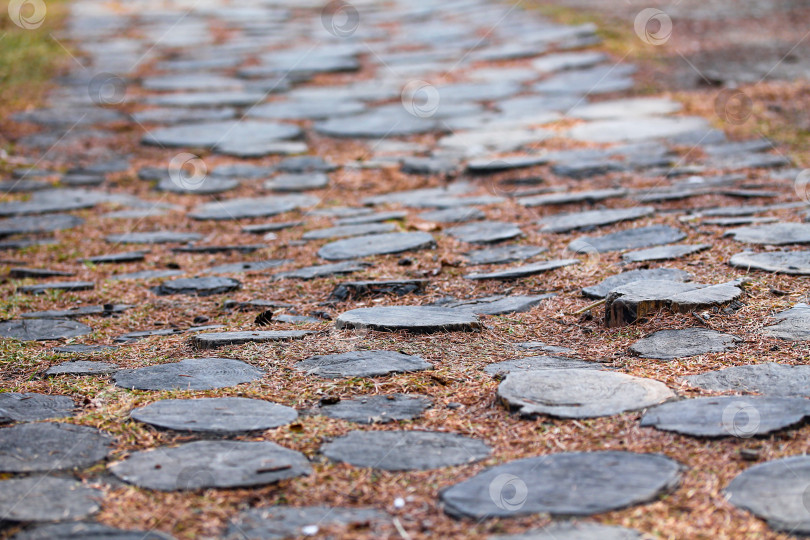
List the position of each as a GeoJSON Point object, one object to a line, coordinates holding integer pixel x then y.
{"type": "Point", "coordinates": [215, 415]}
{"type": "Point", "coordinates": [420, 319]}
{"type": "Point", "coordinates": [669, 344]}
{"type": "Point", "coordinates": [189, 374]}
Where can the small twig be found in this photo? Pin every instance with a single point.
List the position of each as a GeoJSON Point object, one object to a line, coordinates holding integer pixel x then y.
{"type": "Point", "coordinates": [401, 530]}
{"type": "Point", "coordinates": [589, 307]}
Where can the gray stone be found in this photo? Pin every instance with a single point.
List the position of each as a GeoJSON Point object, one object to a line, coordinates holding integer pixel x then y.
{"type": "Point", "coordinates": [428, 165]}
{"type": "Point", "coordinates": [602, 289]}
{"type": "Point", "coordinates": [627, 239]}
{"type": "Point", "coordinates": [727, 416]}
{"type": "Point", "coordinates": [373, 218]}
{"type": "Point", "coordinates": [563, 484]}
{"type": "Point", "coordinates": [781, 380]}
{"type": "Point", "coordinates": [323, 270]}
{"type": "Point", "coordinates": [156, 237]}
{"type": "Point", "coordinates": [209, 185]}
{"type": "Point", "coordinates": [376, 244]}
{"type": "Point", "coordinates": [82, 367]}
{"type": "Point", "coordinates": [501, 164]}
{"type": "Point", "coordinates": [42, 329]}
{"type": "Point", "coordinates": [571, 197]}
{"type": "Point", "coordinates": [485, 232]}
{"type": "Point", "coordinates": [671, 344]}
{"type": "Point", "coordinates": [226, 248]}
{"type": "Point", "coordinates": [592, 218]}
{"type": "Point", "coordinates": [29, 407]}
{"type": "Point", "coordinates": [776, 234]}
{"type": "Point", "coordinates": [86, 530]}
{"type": "Point", "coordinates": [537, 363]}
{"type": "Point", "coordinates": [793, 325]}
{"type": "Point", "coordinates": [42, 288]}
{"type": "Point", "coordinates": [211, 464]}
{"type": "Point", "coordinates": [212, 340]}
{"type": "Point", "coordinates": [634, 129]}
{"type": "Point", "coordinates": [380, 409]}
{"type": "Point", "coordinates": [281, 522]}
{"type": "Point", "coordinates": [78, 348]}
{"type": "Point", "coordinates": [664, 253]}
{"type": "Point", "coordinates": [593, 80]}
{"type": "Point", "coordinates": [38, 224]}
{"type": "Point", "coordinates": [624, 108]}
{"type": "Point", "coordinates": [783, 262]}
{"type": "Point", "coordinates": [360, 289]}
{"type": "Point", "coordinates": [503, 254]}
{"type": "Point", "coordinates": [574, 530]}
{"type": "Point", "coordinates": [453, 215]}
{"type": "Point", "coordinates": [234, 209]}
{"type": "Point", "coordinates": [215, 415]}
{"type": "Point", "coordinates": [579, 393]}
{"type": "Point", "coordinates": [361, 364]}
{"type": "Point", "coordinates": [189, 374]}
{"type": "Point", "coordinates": [262, 228]}
{"type": "Point", "coordinates": [251, 266]}
{"type": "Point", "coordinates": [213, 134]}
{"type": "Point", "coordinates": [129, 256]}
{"type": "Point", "coordinates": [47, 447]}
{"type": "Point", "coordinates": [343, 231]}
{"type": "Point", "coordinates": [202, 286]}
{"type": "Point", "coordinates": [296, 110]}
{"type": "Point", "coordinates": [525, 270]}
{"type": "Point", "coordinates": [78, 311]}
{"type": "Point", "coordinates": [497, 305]}
{"type": "Point", "coordinates": [46, 498]}
{"type": "Point", "coordinates": [405, 450]}
{"type": "Point", "coordinates": [297, 182]}
{"type": "Point", "coordinates": [147, 274]}
{"type": "Point", "coordinates": [418, 319]}
{"type": "Point", "coordinates": [232, 98]}
{"type": "Point", "coordinates": [378, 123]}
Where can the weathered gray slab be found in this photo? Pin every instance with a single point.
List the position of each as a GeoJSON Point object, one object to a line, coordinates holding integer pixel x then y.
{"type": "Point", "coordinates": [640, 237]}
{"type": "Point", "coordinates": [562, 223]}
{"type": "Point", "coordinates": [380, 409]}
{"type": "Point", "coordinates": [664, 253]}
{"type": "Point", "coordinates": [776, 234]}
{"type": "Point", "coordinates": [420, 319]}
{"type": "Point", "coordinates": [51, 446]}
{"type": "Point", "coordinates": [783, 262]}
{"type": "Point", "coordinates": [670, 344]}
{"type": "Point", "coordinates": [527, 270]}
{"type": "Point", "coordinates": [769, 379]}
{"type": "Point", "coordinates": [280, 522]}
{"type": "Point", "coordinates": [189, 374]}
{"type": "Point", "coordinates": [42, 329]}
{"type": "Point", "coordinates": [376, 244]}
{"type": "Point", "coordinates": [793, 325]}
{"type": "Point", "coordinates": [215, 415]}
{"type": "Point", "coordinates": [537, 363]}
{"type": "Point", "coordinates": [212, 340]}
{"type": "Point", "coordinates": [362, 364]}
{"type": "Point", "coordinates": [46, 498]}
{"type": "Point", "coordinates": [503, 254]}
{"type": "Point", "coordinates": [574, 530]}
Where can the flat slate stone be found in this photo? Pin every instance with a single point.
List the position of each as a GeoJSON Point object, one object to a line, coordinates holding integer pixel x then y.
{"type": "Point", "coordinates": [38, 224]}
{"type": "Point", "coordinates": [579, 393]}
{"type": "Point", "coordinates": [323, 270]}
{"type": "Point", "coordinates": [527, 270]}
{"type": "Point", "coordinates": [565, 484]}
{"type": "Point", "coordinates": [458, 214]}
{"type": "Point", "coordinates": [114, 258]}
{"type": "Point", "coordinates": [776, 234]}
{"type": "Point", "coordinates": [769, 379]}
{"type": "Point", "coordinates": [280, 522]}
{"type": "Point", "coordinates": [376, 244]}
{"type": "Point", "coordinates": [212, 340]}
{"type": "Point", "coordinates": [250, 266]}
{"type": "Point", "coordinates": [562, 223]}
{"type": "Point", "coordinates": [213, 134]}
{"type": "Point", "coordinates": [571, 197]}
{"type": "Point", "coordinates": [728, 416]}
{"type": "Point", "coordinates": [297, 182]}
{"type": "Point", "coordinates": [42, 329]}
{"type": "Point", "coordinates": [46, 498]}
{"type": "Point", "coordinates": [208, 185]}
{"type": "Point", "coordinates": [47, 446]}
{"type": "Point", "coordinates": [82, 367]}
{"type": "Point", "coordinates": [574, 530]}
{"type": "Point", "coordinates": [147, 274]}
{"type": "Point", "coordinates": [420, 319]}
{"type": "Point", "coordinates": [156, 237]}
{"type": "Point", "coordinates": [42, 288]}
{"type": "Point", "coordinates": [202, 286]}
{"type": "Point", "coordinates": [670, 344]}
{"type": "Point", "coordinates": [215, 415]}
{"type": "Point", "coordinates": [380, 409]}
{"type": "Point", "coordinates": [628, 239]}
{"type": "Point", "coordinates": [343, 231]}
{"type": "Point", "coordinates": [537, 363]}
{"type": "Point", "coordinates": [30, 407]}
{"type": "Point", "coordinates": [497, 305]}
{"type": "Point", "coordinates": [362, 289]}
{"type": "Point", "coordinates": [211, 464]}
{"type": "Point", "coordinates": [632, 129]}
{"type": "Point", "coordinates": [776, 492]}
{"type": "Point", "coordinates": [793, 325]}
{"type": "Point", "coordinates": [602, 289]}
{"type": "Point", "coordinates": [79, 348]}
{"type": "Point", "coordinates": [79, 311]}
{"type": "Point", "coordinates": [86, 530]}
{"type": "Point", "coordinates": [189, 374]}
{"type": "Point", "coordinates": [405, 450]}
{"type": "Point", "coordinates": [377, 217]}
{"type": "Point", "coordinates": [783, 262]}
{"type": "Point", "coordinates": [252, 208]}
{"type": "Point", "coordinates": [485, 232]}
{"type": "Point", "coordinates": [664, 253]}
{"type": "Point", "coordinates": [503, 254]}
{"type": "Point", "coordinates": [378, 123]}
{"type": "Point", "coordinates": [361, 364]}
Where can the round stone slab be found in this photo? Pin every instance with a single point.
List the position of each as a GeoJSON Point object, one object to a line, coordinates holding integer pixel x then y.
{"type": "Point", "coordinates": [727, 416]}
{"type": "Point", "coordinates": [86, 530]}
{"type": "Point", "coordinates": [405, 450]}
{"type": "Point", "coordinates": [50, 446]}
{"type": "Point", "coordinates": [211, 134]}
{"type": "Point", "coordinates": [568, 483]}
{"type": "Point", "coordinates": [663, 253]}
{"type": "Point", "coordinates": [670, 344]}
{"type": "Point", "coordinates": [42, 329]}
{"type": "Point", "coordinates": [485, 232]}
{"type": "Point", "coordinates": [29, 407]}
{"type": "Point", "coordinates": [580, 393]}
{"type": "Point", "coordinates": [45, 498]}
{"type": "Point", "coordinates": [776, 234]}
{"type": "Point", "coordinates": [377, 409]}
{"type": "Point", "coordinates": [202, 286]}
{"type": "Point", "coordinates": [768, 379]}
{"type": "Point", "coordinates": [217, 415]}
{"type": "Point", "coordinates": [38, 224]}
{"type": "Point", "coordinates": [502, 254]}
{"type": "Point", "coordinates": [251, 208]}
{"type": "Point", "coordinates": [537, 363]}
{"type": "Point", "coordinates": [777, 492]}
{"type": "Point", "coordinates": [628, 239]}
{"type": "Point", "coordinates": [561, 223]}
{"type": "Point", "coordinates": [212, 340]}
{"type": "Point", "coordinates": [189, 374]}
{"type": "Point", "coordinates": [574, 530]}
{"type": "Point", "coordinates": [784, 262]}
{"type": "Point", "coordinates": [375, 244]}
{"type": "Point", "coordinates": [601, 290]}
{"type": "Point", "coordinates": [793, 325]}
{"type": "Point", "coordinates": [82, 367]}
{"type": "Point", "coordinates": [278, 522]}
{"type": "Point", "coordinates": [361, 364]}
{"type": "Point", "coordinates": [526, 270]}
{"type": "Point", "coordinates": [211, 464]}
{"type": "Point", "coordinates": [421, 319]}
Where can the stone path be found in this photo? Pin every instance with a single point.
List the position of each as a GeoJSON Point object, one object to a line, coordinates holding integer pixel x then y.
{"type": "Point", "coordinates": [456, 270]}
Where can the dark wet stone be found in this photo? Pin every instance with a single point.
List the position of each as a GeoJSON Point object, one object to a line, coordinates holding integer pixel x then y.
{"type": "Point", "coordinates": [251, 266]}
{"type": "Point", "coordinates": [572, 197]}
{"type": "Point", "coordinates": [783, 262]}
{"type": "Point", "coordinates": [592, 218]}
{"type": "Point", "coordinates": [670, 344]}
{"type": "Point", "coordinates": [503, 254]}
{"type": "Point", "coordinates": [485, 232]}
{"type": "Point", "coordinates": [768, 379]}
{"type": "Point", "coordinates": [213, 134]}
{"type": "Point", "coordinates": [380, 122]}
{"type": "Point", "coordinates": [380, 409]}
{"type": "Point", "coordinates": [38, 224]}
{"type": "Point", "coordinates": [776, 234]}
{"type": "Point", "coordinates": [361, 364]}
{"type": "Point", "coordinates": [203, 286]}
{"type": "Point", "coordinates": [342, 231]}
{"type": "Point", "coordinates": [727, 416]}
{"type": "Point", "coordinates": [147, 274]}
{"type": "Point", "coordinates": [301, 164]}
{"type": "Point", "coordinates": [82, 367]}
{"type": "Point", "coordinates": [419, 319]}
{"type": "Point", "coordinates": [211, 464]}
{"type": "Point", "coordinates": [579, 393]}
{"type": "Point", "coordinates": [189, 374]}
{"type": "Point", "coordinates": [86, 530]}
{"type": "Point", "coordinates": [525, 270]}
{"type": "Point", "coordinates": [376, 244]}
{"type": "Point", "coordinates": [776, 492]}
{"type": "Point", "coordinates": [42, 329]}
{"type": "Point", "coordinates": [83, 311]}
{"type": "Point", "coordinates": [405, 450]}
{"type": "Point", "coordinates": [251, 208]}
{"type": "Point", "coordinates": [46, 498]}
{"type": "Point", "coordinates": [537, 363]}
{"type": "Point", "coordinates": [565, 484]}
{"type": "Point", "coordinates": [213, 340]}
{"type": "Point", "coordinates": [21, 273]}
{"type": "Point", "coordinates": [29, 407]}
{"type": "Point", "coordinates": [455, 215]}
{"type": "Point", "coordinates": [280, 522]}
{"type": "Point", "coordinates": [49, 446]}
{"type": "Point", "coordinates": [360, 289]}
{"type": "Point", "coordinates": [42, 288]}
{"type": "Point", "coordinates": [113, 258]}
{"type": "Point", "coordinates": [215, 415]}
{"type": "Point", "coordinates": [156, 237]}
{"type": "Point", "coordinates": [793, 325]}
{"type": "Point", "coordinates": [496, 305]}
{"type": "Point", "coordinates": [574, 530]}
{"type": "Point", "coordinates": [323, 270]}
{"type": "Point", "coordinates": [627, 239]}
{"type": "Point", "coordinates": [297, 182]}
{"type": "Point", "coordinates": [664, 253]}
{"type": "Point", "coordinates": [602, 289]}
